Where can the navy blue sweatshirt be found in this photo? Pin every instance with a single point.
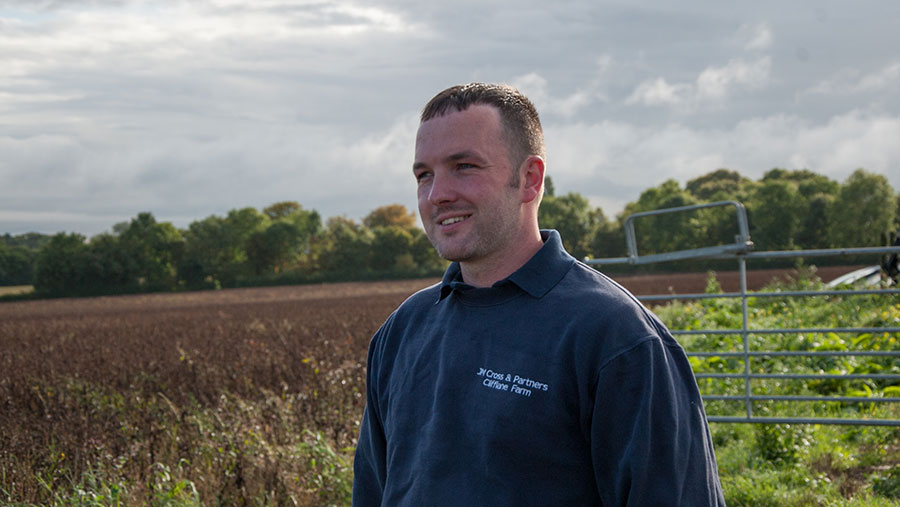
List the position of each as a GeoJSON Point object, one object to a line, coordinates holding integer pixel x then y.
{"type": "Point", "coordinates": [554, 387]}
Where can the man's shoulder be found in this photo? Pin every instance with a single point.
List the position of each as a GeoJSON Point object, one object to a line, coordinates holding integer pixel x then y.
{"type": "Point", "coordinates": [614, 312]}
{"type": "Point", "coordinates": [586, 283]}
{"type": "Point", "coordinates": [412, 313]}
{"type": "Point", "coordinates": [416, 304]}
{"type": "Point", "coordinates": [423, 297]}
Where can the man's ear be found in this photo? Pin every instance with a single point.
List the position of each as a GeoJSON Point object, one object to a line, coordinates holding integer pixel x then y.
{"type": "Point", "coordinates": [532, 178]}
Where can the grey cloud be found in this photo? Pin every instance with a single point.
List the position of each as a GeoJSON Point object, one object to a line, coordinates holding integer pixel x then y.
{"type": "Point", "coordinates": [851, 80]}
{"type": "Point", "coordinates": [190, 108]}
{"type": "Point", "coordinates": [641, 157]}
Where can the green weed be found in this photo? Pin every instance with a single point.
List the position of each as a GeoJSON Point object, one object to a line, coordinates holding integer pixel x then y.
{"type": "Point", "coordinates": [798, 465]}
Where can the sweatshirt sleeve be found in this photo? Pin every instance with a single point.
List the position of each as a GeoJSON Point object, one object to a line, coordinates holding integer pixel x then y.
{"type": "Point", "coordinates": [369, 464]}
{"type": "Point", "coordinates": [650, 442]}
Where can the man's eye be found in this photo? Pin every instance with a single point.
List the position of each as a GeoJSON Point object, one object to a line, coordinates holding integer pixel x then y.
{"type": "Point", "coordinates": [422, 175]}
{"type": "Point", "coordinates": [464, 165]}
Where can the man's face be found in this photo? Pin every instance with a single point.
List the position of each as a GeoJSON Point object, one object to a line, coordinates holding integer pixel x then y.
{"type": "Point", "coordinates": [468, 194]}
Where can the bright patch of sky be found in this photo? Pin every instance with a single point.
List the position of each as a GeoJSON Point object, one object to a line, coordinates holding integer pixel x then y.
{"type": "Point", "coordinates": [191, 108]}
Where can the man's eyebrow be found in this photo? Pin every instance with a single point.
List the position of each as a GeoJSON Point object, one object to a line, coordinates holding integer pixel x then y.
{"type": "Point", "coordinates": [453, 157]}
{"type": "Point", "coordinates": [463, 154]}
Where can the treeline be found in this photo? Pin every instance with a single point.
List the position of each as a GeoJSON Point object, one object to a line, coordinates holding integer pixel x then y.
{"type": "Point", "coordinates": [787, 210]}
{"type": "Point", "coordinates": [285, 243]}
{"type": "Point", "coordinates": [17, 255]}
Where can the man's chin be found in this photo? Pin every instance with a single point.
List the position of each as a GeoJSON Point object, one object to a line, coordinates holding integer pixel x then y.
{"type": "Point", "coordinates": [457, 247]}
{"type": "Point", "coordinates": [452, 253]}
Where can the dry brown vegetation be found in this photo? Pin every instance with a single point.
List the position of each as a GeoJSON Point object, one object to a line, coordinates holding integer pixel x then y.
{"type": "Point", "coordinates": [160, 395]}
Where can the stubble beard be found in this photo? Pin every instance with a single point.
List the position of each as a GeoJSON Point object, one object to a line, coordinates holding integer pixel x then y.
{"type": "Point", "coordinates": [482, 239]}
{"type": "Point", "coordinates": [483, 244]}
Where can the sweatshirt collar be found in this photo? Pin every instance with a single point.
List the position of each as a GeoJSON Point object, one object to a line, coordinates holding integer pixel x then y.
{"type": "Point", "coordinates": [536, 277]}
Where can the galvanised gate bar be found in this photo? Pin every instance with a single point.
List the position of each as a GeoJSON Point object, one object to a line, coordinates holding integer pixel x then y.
{"type": "Point", "coordinates": [741, 250]}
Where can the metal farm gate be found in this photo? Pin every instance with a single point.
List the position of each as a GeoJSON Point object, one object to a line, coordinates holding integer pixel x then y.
{"type": "Point", "coordinates": [741, 251]}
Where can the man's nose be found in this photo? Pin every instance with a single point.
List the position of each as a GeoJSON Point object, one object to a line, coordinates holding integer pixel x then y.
{"type": "Point", "coordinates": [442, 189]}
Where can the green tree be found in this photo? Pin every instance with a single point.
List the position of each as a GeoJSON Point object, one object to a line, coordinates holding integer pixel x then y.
{"type": "Point", "coordinates": [274, 248]}
{"type": "Point", "coordinates": [283, 209]}
{"type": "Point", "coordinates": [815, 221]}
{"type": "Point", "coordinates": [215, 249]}
{"type": "Point", "coordinates": [306, 222]}
{"type": "Point", "coordinates": [345, 247]}
{"type": "Point", "coordinates": [30, 240]}
{"type": "Point", "coordinates": [207, 254]}
{"type": "Point", "coordinates": [668, 232]}
{"type": "Point", "coordinates": [391, 249]}
{"type": "Point", "coordinates": [390, 215]}
{"type": "Point", "coordinates": [774, 213]}
{"type": "Point", "coordinates": [810, 184]}
{"type": "Point", "coordinates": [279, 243]}
{"type": "Point", "coordinates": [156, 248]}
{"type": "Point", "coordinates": [864, 211]}
{"type": "Point", "coordinates": [717, 226]}
{"type": "Point", "coordinates": [572, 216]}
{"type": "Point", "coordinates": [809, 197]}
{"type": "Point", "coordinates": [608, 239]}
{"type": "Point", "coordinates": [896, 226]}
{"type": "Point", "coordinates": [60, 266]}
{"type": "Point", "coordinates": [240, 224]}
{"type": "Point", "coordinates": [16, 265]}
{"type": "Point", "coordinates": [307, 225]}
{"type": "Point", "coordinates": [398, 245]}
{"type": "Point", "coordinates": [719, 185]}
{"type": "Point", "coordinates": [424, 255]}
{"type": "Point", "coordinates": [110, 267]}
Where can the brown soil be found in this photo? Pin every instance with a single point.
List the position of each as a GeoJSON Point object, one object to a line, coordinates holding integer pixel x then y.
{"type": "Point", "coordinates": [657, 283]}
{"type": "Point", "coordinates": [693, 283]}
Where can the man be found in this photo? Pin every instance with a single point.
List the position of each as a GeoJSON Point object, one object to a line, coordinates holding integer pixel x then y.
{"type": "Point", "coordinates": [525, 377]}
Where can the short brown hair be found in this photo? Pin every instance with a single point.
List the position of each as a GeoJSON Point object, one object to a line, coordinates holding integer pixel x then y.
{"type": "Point", "coordinates": [520, 121]}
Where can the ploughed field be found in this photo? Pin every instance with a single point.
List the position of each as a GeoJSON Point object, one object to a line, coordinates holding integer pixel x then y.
{"type": "Point", "coordinates": [218, 384]}
{"type": "Point", "coordinates": [232, 396]}
{"type": "Point", "coordinates": [694, 283]}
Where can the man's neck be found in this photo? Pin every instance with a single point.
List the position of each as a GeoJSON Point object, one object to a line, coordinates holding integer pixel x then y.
{"type": "Point", "coordinates": [487, 272]}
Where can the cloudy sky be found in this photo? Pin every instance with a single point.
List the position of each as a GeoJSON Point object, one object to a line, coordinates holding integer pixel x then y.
{"type": "Point", "coordinates": [195, 107]}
